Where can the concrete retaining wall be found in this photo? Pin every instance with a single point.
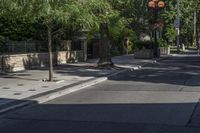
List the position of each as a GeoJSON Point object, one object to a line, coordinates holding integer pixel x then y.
{"type": "Point", "coordinates": [164, 50]}
{"type": "Point", "coordinates": [19, 62]}
{"type": "Point", "coordinates": [144, 54]}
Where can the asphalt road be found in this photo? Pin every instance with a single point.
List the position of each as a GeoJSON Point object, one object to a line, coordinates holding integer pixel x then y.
{"type": "Point", "coordinates": [159, 98]}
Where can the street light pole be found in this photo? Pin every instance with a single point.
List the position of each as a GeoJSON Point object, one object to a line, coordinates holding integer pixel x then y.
{"type": "Point", "coordinates": [178, 27]}
{"type": "Point", "coordinates": [155, 47]}
{"type": "Point", "coordinates": [155, 6]}
{"type": "Point", "coordinates": [195, 28]}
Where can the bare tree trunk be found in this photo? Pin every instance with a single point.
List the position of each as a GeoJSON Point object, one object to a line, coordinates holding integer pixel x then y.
{"type": "Point", "coordinates": [50, 53]}
{"type": "Point", "coordinates": [105, 55]}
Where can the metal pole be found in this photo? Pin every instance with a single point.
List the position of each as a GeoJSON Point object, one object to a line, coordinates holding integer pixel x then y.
{"type": "Point", "coordinates": [195, 28]}
{"type": "Point", "coordinates": [178, 28]}
{"type": "Point", "coordinates": [155, 35]}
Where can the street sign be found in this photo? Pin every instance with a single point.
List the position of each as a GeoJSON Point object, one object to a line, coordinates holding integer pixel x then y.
{"type": "Point", "coordinates": [177, 23]}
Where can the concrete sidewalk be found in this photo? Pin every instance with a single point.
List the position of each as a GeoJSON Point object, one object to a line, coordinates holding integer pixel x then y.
{"type": "Point", "coordinates": [22, 88]}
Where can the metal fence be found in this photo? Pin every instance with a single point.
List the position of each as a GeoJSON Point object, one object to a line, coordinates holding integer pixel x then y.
{"type": "Point", "coordinates": [14, 47]}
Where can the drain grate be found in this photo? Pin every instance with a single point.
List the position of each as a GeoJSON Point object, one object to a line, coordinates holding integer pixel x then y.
{"type": "Point", "coordinates": [17, 93]}
{"type": "Point", "coordinates": [5, 88]}
{"type": "Point", "coordinates": [20, 84]}
{"type": "Point", "coordinates": [32, 90]}
{"type": "Point", "coordinates": [45, 86]}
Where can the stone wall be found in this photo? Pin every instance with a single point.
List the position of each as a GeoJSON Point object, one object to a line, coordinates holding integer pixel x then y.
{"type": "Point", "coordinates": [143, 54]}
{"type": "Point", "coordinates": [19, 62]}
{"type": "Point", "coordinates": [64, 57]}
{"type": "Point", "coordinates": [164, 50]}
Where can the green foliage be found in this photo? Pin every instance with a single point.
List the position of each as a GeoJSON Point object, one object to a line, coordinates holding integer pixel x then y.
{"type": "Point", "coordinates": [144, 44]}
{"type": "Point", "coordinates": [22, 20]}
{"type": "Point", "coordinates": [18, 29]}
{"type": "Point", "coordinates": [2, 44]}
{"type": "Point", "coordinates": [70, 15]}
{"type": "Point", "coordinates": [168, 17]}
{"type": "Point", "coordinates": [162, 43]}
{"type": "Point", "coordinates": [131, 47]}
{"type": "Point", "coordinates": [170, 33]}
{"type": "Point", "coordinates": [136, 13]}
{"type": "Point", "coordinates": [187, 9]}
{"type": "Point", "coordinates": [118, 29]}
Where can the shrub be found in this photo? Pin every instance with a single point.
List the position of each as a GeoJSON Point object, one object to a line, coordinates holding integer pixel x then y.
{"type": "Point", "coordinates": [162, 42]}
{"type": "Point", "coordinates": [144, 44]}
{"type": "Point", "coordinates": [2, 45]}
{"type": "Point", "coordinates": [130, 47]}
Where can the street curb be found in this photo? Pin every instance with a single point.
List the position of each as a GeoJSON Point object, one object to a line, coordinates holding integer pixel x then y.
{"type": "Point", "coordinates": [76, 88]}
{"type": "Point", "coordinates": [57, 93]}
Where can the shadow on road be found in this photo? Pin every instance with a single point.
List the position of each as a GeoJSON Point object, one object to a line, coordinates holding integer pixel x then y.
{"type": "Point", "coordinates": [179, 71]}
{"type": "Point", "coordinates": [103, 118]}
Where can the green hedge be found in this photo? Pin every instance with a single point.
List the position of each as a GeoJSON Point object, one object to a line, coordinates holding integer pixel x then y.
{"type": "Point", "coordinates": [144, 44]}
{"type": "Point", "coordinates": [162, 43]}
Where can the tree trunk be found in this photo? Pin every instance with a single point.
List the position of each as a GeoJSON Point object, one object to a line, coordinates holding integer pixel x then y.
{"type": "Point", "coordinates": [104, 48]}
{"type": "Point", "coordinates": [50, 53]}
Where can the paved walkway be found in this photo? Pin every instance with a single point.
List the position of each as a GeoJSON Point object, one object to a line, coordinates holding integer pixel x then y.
{"type": "Point", "coordinates": [24, 86]}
